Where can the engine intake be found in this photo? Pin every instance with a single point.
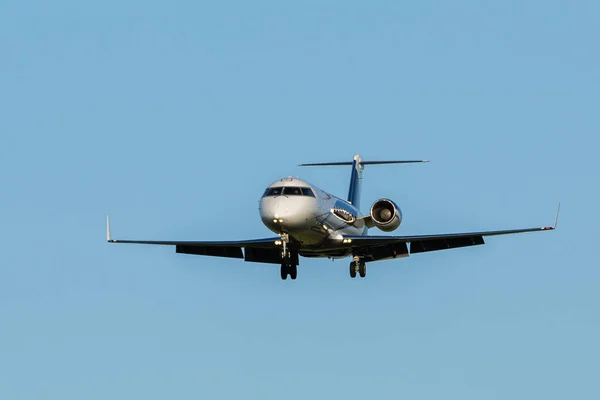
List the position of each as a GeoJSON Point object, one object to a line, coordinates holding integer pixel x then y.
{"type": "Point", "coordinates": [386, 215]}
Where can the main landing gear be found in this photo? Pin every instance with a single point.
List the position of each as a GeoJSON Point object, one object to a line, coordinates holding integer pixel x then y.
{"type": "Point", "coordinates": [358, 265]}
{"type": "Point", "coordinates": [287, 267]}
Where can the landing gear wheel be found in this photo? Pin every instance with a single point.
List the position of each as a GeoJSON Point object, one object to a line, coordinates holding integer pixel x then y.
{"type": "Point", "coordinates": [352, 269]}
{"type": "Point", "coordinates": [289, 269]}
{"type": "Point", "coordinates": [362, 269]}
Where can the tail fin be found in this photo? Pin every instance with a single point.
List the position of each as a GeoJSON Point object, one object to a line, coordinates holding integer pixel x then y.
{"type": "Point", "coordinates": [355, 181]}
{"type": "Point", "coordinates": [356, 176]}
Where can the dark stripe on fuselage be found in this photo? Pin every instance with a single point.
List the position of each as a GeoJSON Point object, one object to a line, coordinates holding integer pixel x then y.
{"type": "Point", "coordinates": [354, 189]}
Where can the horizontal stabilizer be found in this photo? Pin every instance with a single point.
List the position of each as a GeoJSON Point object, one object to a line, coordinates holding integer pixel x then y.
{"type": "Point", "coordinates": [362, 163]}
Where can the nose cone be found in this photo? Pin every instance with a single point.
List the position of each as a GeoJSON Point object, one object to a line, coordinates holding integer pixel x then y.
{"type": "Point", "coordinates": [287, 213]}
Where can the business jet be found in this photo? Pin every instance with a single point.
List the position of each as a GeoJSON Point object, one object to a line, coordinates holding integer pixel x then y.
{"type": "Point", "coordinates": [310, 222]}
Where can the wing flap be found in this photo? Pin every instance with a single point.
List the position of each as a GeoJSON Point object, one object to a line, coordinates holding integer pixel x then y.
{"type": "Point", "coordinates": [387, 252]}
{"type": "Point", "coordinates": [422, 246]}
{"type": "Point", "coordinates": [225, 251]}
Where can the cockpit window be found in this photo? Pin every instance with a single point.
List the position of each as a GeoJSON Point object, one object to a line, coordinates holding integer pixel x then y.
{"type": "Point", "coordinates": [308, 192]}
{"type": "Point", "coordinates": [289, 191]}
{"type": "Point", "coordinates": [292, 191]}
{"type": "Point", "coordinates": [274, 191]}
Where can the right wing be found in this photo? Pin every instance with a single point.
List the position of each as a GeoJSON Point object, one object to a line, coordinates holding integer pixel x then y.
{"type": "Point", "coordinates": [258, 250]}
{"type": "Point", "coordinates": [383, 247]}
{"type": "Point", "coordinates": [423, 243]}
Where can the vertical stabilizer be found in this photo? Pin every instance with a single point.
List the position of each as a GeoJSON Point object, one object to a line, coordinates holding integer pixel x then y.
{"type": "Point", "coordinates": [355, 181]}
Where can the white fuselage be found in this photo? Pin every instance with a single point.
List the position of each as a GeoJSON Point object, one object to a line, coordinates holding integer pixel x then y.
{"type": "Point", "coordinates": [309, 215]}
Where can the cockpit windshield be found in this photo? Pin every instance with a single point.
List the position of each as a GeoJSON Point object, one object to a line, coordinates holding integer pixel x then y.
{"type": "Point", "coordinates": [307, 192]}
{"type": "Point", "coordinates": [274, 191]}
{"type": "Point", "coordinates": [289, 191]}
{"type": "Point", "coordinates": [292, 191]}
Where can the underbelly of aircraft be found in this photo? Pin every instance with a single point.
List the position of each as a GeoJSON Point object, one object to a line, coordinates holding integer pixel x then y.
{"type": "Point", "coordinates": [315, 240]}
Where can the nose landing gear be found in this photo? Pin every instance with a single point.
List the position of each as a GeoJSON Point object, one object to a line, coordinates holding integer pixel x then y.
{"type": "Point", "coordinates": [287, 267]}
{"type": "Point", "coordinates": [358, 265]}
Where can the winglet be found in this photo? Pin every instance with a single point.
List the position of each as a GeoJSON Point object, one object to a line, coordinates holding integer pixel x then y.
{"type": "Point", "coordinates": [553, 227]}
{"type": "Point", "coordinates": [108, 239]}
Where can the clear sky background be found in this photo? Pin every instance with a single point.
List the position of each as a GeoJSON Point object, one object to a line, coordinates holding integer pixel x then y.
{"type": "Point", "coordinates": [174, 116]}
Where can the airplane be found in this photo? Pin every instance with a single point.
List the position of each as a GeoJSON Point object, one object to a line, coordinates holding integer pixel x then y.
{"type": "Point", "coordinates": [310, 222]}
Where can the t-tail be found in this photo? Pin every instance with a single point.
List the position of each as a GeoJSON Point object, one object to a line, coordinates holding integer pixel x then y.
{"type": "Point", "coordinates": [358, 165]}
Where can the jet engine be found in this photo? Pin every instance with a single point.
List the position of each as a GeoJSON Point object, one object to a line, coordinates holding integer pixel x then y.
{"type": "Point", "coordinates": [386, 215]}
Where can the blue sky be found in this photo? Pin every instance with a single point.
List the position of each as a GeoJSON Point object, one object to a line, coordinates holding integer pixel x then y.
{"type": "Point", "coordinates": [173, 117]}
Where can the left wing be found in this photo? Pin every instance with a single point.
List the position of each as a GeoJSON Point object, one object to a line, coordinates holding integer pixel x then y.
{"type": "Point", "coordinates": [396, 245]}
{"type": "Point", "coordinates": [258, 250]}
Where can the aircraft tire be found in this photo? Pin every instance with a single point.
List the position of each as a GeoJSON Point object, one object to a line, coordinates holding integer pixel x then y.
{"type": "Point", "coordinates": [352, 269]}
{"type": "Point", "coordinates": [293, 269]}
{"type": "Point", "coordinates": [362, 269]}
{"type": "Point", "coordinates": [284, 271]}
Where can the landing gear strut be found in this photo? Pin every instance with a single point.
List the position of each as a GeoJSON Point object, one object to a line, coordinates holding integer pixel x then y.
{"type": "Point", "coordinates": [358, 265]}
{"type": "Point", "coordinates": [285, 240]}
{"type": "Point", "coordinates": [287, 267]}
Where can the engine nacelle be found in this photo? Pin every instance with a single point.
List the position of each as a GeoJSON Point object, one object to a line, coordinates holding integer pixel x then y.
{"type": "Point", "coordinates": [386, 215]}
